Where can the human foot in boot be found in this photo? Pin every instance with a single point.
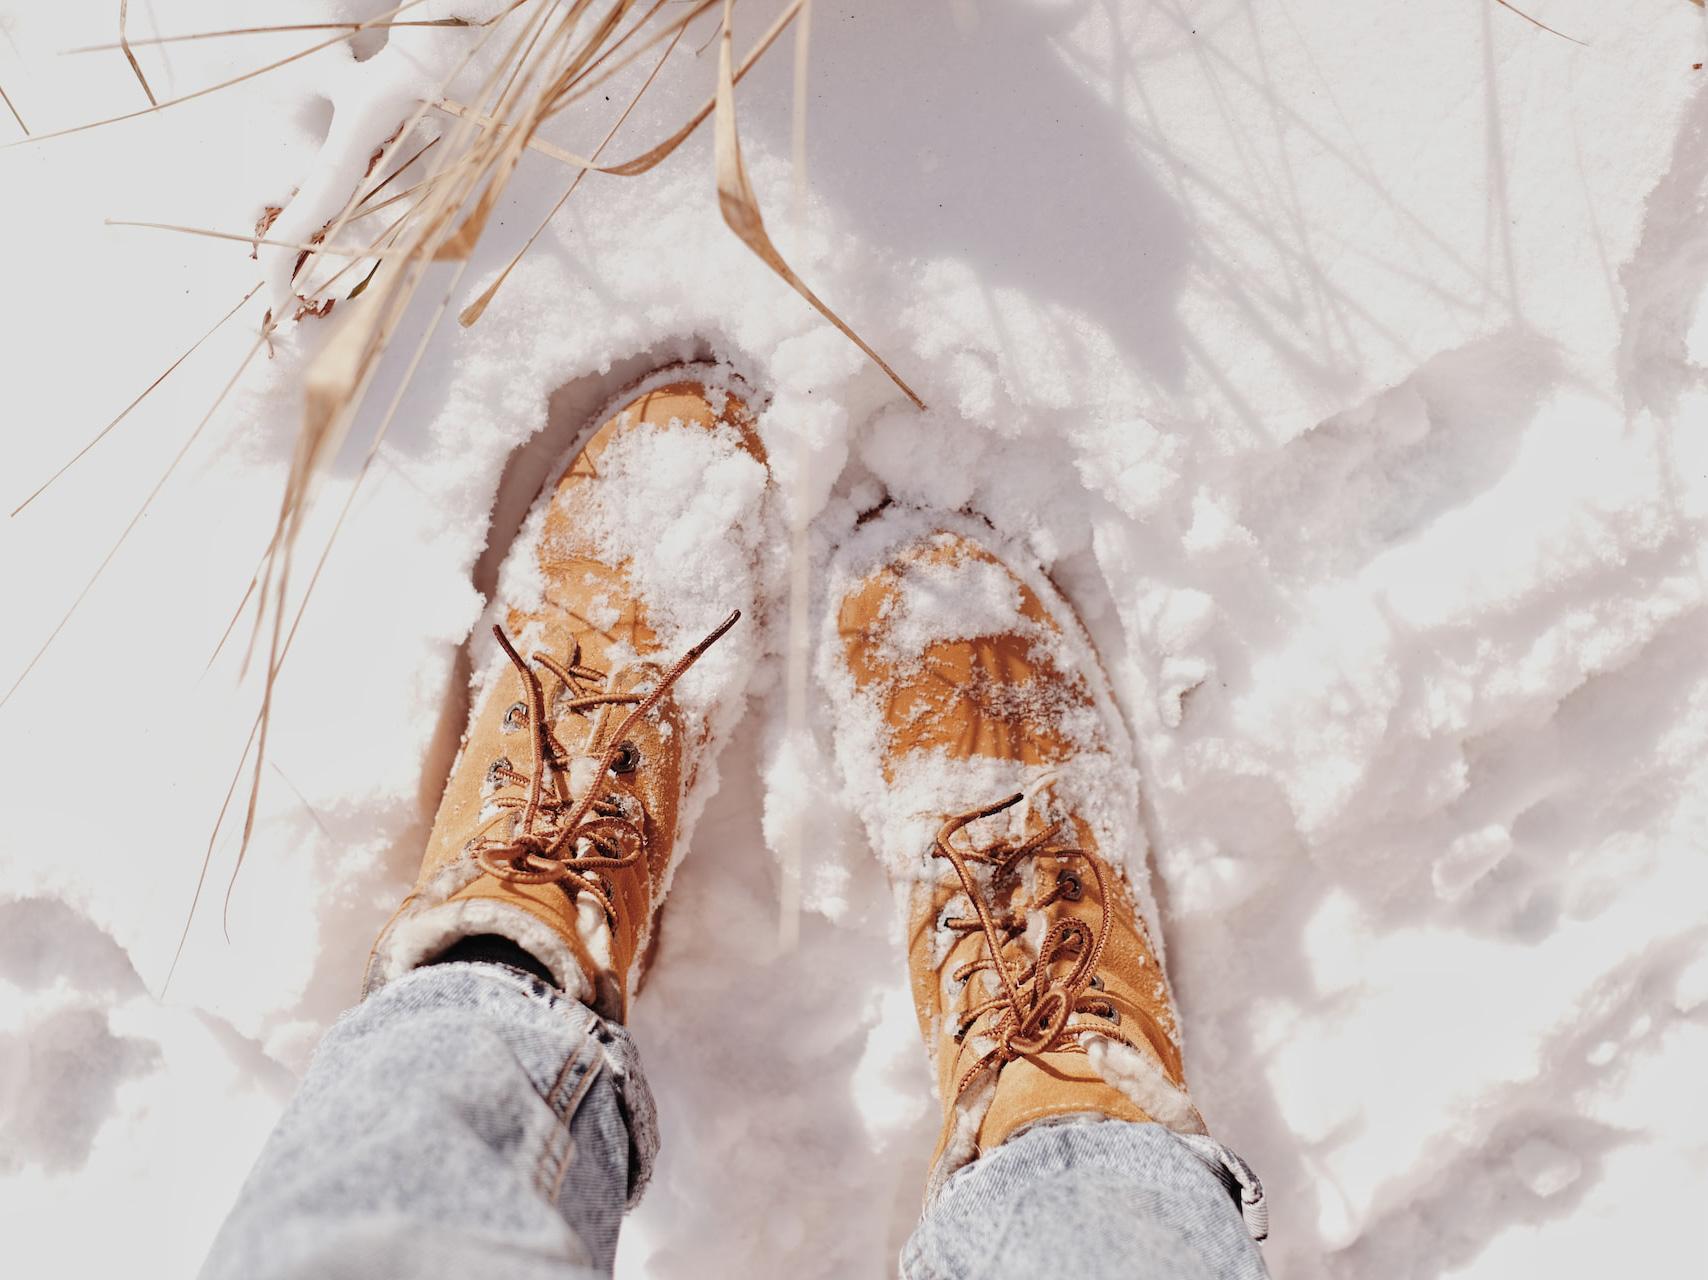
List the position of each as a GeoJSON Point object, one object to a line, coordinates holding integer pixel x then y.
{"type": "Point", "coordinates": [974, 722]}
{"type": "Point", "coordinates": [610, 680]}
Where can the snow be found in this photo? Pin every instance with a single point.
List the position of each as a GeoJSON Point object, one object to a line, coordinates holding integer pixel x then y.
{"type": "Point", "coordinates": [943, 602]}
{"type": "Point", "coordinates": [664, 489]}
{"type": "Point", "coordinates": [1344, 366]}
{"type": "Point", "coordinates": [939, 592]}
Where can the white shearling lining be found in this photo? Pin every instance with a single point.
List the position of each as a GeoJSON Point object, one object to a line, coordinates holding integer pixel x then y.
{"type": "Point", "coordinates": [1140, 1077]}
{"type": "Point", "coordinates": [962, 1146]}
{"type": "Point", "coordinates": [414, 939]}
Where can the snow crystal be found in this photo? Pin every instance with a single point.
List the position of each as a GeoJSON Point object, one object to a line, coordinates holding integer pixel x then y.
{"type": "Point", "coordinates": [663, 507]}
{"type": "Point", "coordinates": [941, 602]}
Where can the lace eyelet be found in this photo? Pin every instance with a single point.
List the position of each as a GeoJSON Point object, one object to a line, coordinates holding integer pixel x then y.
{"type": "Point", "coordinates": [1111, 1014]}
{"type": "Point", "coordinates": [1096, 982]}
{"type": "Point", "coordinates": [627, 759]}
{"type": "Point", "coordinates": [515, 717]}
{"type": "Point", "coordinates": [493, 781]}
{"type": "Point", "coordinates": [1072, 888]}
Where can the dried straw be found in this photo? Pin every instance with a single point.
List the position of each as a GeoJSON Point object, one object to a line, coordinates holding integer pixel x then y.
{"type": "Point", "coordinates": [741, 207]}
{"type": "Point", "coordinates": [7, 99]}
{"type": "Point", "coordinates": [350, 28]}
{"type": "Point", "coordinates": [126, 411]}
{"type": "Point", "coordinates": [555, 55]}
{"type": "Point", "coordinates": [370, 25]}
{"type": "Point", "coordinates": [1536, 22]}
{"type": "Point", "coordinates": [124, 43]}
{"type": "Point", "coordinates": [141, 511]}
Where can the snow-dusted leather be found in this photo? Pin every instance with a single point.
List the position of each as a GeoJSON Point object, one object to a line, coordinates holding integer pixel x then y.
{"type": "Point", "coordinates": [592, 926]}
{"type": "Point", "coordinates": [1019, 695]}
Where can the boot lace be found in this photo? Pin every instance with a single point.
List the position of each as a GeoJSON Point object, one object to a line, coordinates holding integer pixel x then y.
{"type": "Point", "coordinates": [553, 836]}
{"type": "Point", "coordinates": [1036, 1005]}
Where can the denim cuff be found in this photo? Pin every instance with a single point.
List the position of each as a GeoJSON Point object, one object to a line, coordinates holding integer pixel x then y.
{"type": "Point", "coordinates": [1237, 1177]}
{"type": "Point", "coordinates": [565, 1048]}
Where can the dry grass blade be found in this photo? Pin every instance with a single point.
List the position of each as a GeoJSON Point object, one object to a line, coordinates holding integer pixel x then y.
{"type": "Point", "coordinates": [1536, 22]}
{"type": "Point", "coordinates": [461, 111]}
{"type": "Point", "coordinates": [584, 85]}
{"type": "Point", "coordinates": [710, 40]}
{"type": "Point", "coordinates": [477, 308]}
{"type": "Point", "coordinates": [350, 27]}
{"type": "Point", "coordinates": [282, 639]}
{"type": "Point", "coordinates": [388, 152]}
{"type": "Point", "coordinates": [399, 172]}
{"type": "Point", "coordinates": [309, 449]}
{"type": "Point", "coordinates": [207, 858]}
{"type": "Point", "coordinates": [741, 207]}
{"type": "Point", "coordinates": [337, 380]}
{"type": "Point", "coordinates": [339, 374]}
{"type": "Point", "coordinates": [223, 84]}
{"type": "Point", "coordinates": [342, 251]}
{"type": "Point", "coordinates": [124, 43]}
{"type": "Point", "coordinates": [502, 163]}
{"type": "Point", "coordinates": [272, 543]}
{"type": "Point", "coordinates": [332, 378]}
{"type": "Point", "coordinates": [649, 159]}
{"type": "Point", "coordinates": [147, 502]}
{"type": "Point", "coordinates": [655, 155]}
{"type": "Point", "coordinates": [143, 395]}
{"type": "Point", "coordinates": [552, 59]}
{"type": "Point", "coordinates": [580, 62]}
{"type": "Point", "coordinates": [256, 725]}
{"type": "Point", "coordinates": [338, 377]}
{"type": "Point", "coordinates": [398, 197]}
{"type": "Point", "coordinates": [7, 99]}
{"type": "Point", "coordinates": [572, 88]}
{"type": "Point", "coordinates": [237, 613]}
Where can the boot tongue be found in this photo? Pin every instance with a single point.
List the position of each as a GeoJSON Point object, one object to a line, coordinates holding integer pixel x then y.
{"type": "Point", "coordinates": [1047, 1085]}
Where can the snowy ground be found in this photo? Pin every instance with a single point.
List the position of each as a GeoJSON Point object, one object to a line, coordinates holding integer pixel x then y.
{"type": "Point", "coordinates": [1347, 365]}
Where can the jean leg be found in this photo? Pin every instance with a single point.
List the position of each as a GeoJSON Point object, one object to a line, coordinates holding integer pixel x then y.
{"type": "Point", "coordinates": [1097, 1200]}
{"type": "Point", "coordinates": [464, 1120]}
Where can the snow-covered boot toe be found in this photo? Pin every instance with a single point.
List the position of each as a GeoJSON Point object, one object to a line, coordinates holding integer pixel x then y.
{"type": "Point", "coordinates": [600, 698]}
{"type": "Point", "coordinates": [976, 729]}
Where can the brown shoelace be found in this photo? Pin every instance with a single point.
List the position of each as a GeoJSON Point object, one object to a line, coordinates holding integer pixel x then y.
{"type": "Point", "coordinates": [1036, 1006]}
{"type": "Point", "coordinates": [553, 836]}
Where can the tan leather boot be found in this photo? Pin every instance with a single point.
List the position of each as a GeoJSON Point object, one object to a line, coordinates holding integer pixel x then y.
{"type": "Point", "coordinates": [974, 718]}
{"type": "Point", "coordinates": [568, 807]}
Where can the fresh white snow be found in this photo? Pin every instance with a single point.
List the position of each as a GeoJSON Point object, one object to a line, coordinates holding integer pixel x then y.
{"type": "Point", "coordinates": [1344, 365]}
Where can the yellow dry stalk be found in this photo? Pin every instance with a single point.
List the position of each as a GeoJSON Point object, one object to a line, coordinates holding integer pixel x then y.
{"type": "Point", "coordinates": [465, 181]}
{"type": "Point", "coordinates": [130, 56]}
{"type": "Point", "coordinates": [562, 53]}
{"type": "Point", "coordinates": [1537, 22]}
{"type": "Point", "coordinates": [348, 28]}
{"type": "Point", "coordinates": [371, 24]}
{"type": "Point", "coordinates": [7, 99]}
{"type": "Point", "coordinates": [741, 207]}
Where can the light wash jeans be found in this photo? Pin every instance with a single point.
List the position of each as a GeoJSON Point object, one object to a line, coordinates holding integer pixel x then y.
{"type": "Point", "coordinates": [468, 1121]}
